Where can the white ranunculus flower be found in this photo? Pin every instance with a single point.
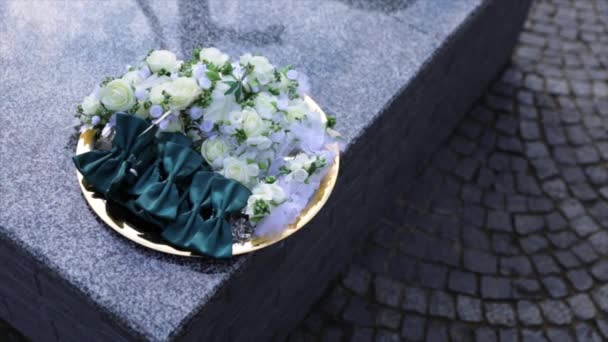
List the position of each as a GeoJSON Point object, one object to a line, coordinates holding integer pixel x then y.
{"type": "Point", "coordinates": [90, 105]}
{"type": "Point", "coordinates": [282, 85]}
{"type": "Point", "coordinates": [213, 56]}
{"type": "Point", "coordinates": [253, 124]}
{"type": "Point", "coordinates": [265, 104]}
{"type": "Point", "coordinates": [214, 150]}
{"type": "Point", "coordinates": [260, 142]}
{"type": "Point", "coordinates": [297, 110]}
{"type": "Point", "coordinates": [117, 95]}
{"type": "Point", "coordinates": [162, 59]}
{"type": "Point", "coordinates": [221, 104]}
{"type": "Point", "coordinates": [240, 170]}
{"type": "Point", "coordinates": [245, 59]}
{"type": "Point", "coordinates": [263, 71]}
{"type": "Point", "coordinates": [236, 118]}
{"type": "Point", "coordinates": [156, 93]}
{"type": "Point", "coordinates": [183, 91]}
{"type": "Point", "coordinates": [133, 77]}
{"type": "Point", "coordinates": [269, 192]}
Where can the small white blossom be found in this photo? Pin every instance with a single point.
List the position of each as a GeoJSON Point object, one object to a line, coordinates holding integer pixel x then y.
{"type": "Point", "coordinates": [198, 70]}
{"type": "Point", "coordinates": [156, 111]}
{"type": "Point", "coordinates": [204, 82]}
{"type": "Point", "coordinates": [292, 75]}
{"type": "Point", "coordinates": [195, 112]}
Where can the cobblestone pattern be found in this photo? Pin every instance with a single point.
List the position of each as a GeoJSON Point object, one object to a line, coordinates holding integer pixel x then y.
{"type": "Point", "coordinates": [504, 236]}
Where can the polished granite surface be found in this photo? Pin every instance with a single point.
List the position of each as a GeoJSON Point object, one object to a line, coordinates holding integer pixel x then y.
{"type": "Point", "coordinates": [358, 55]}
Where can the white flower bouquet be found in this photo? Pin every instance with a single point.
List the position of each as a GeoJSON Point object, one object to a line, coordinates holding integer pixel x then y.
{"type": "Point", "coordinates": [248, 119]}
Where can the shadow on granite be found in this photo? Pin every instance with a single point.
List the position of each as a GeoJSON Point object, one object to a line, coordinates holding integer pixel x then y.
{"type": "Point", "coordinates": [155, 24]}
{"type": "Point", "coordinates": [386, 6]}
{"type": "Point", "coordinates": [199, 28]}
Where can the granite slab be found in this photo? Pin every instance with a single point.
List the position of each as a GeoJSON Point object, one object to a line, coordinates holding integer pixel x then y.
{"type": "Point", "coordinates": [359, 56]}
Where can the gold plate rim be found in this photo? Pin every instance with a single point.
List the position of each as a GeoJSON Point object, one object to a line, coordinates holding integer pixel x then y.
{"type": "Point", "coordinates": [98, 205]}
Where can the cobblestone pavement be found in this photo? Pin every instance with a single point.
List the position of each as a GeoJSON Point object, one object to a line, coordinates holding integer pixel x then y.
{"type": "Point", "coordinates": [505, 235]}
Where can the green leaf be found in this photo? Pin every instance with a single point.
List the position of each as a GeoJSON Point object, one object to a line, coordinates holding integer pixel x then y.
{"type": "Point", "coordinates": [233, 87]}
{"type": "Point", "coordinates": [270, 179]}
{"type": "Point", "coordinates": [213, 75]}
{"type": "Point", "coordinates": [240, 135]}
{"type": "Point", "coordinates": [238, 93]}
{"type": "Point", "coordinates": [331, 121]}
{"type": "Point", "coordinates": [227, 69]}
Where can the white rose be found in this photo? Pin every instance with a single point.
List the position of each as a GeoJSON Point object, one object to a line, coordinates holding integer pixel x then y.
{"type": "Point", "coordinates": [213, 56]}
{"type": "Point", "coordinates": [221, 104]}
{"type": "Point", "coordinates": [214, 150]}
{"type": "Point", "coordinates": [156, 93]}
{"type": "Point", "coordinates": [133, 77]}
{"type": "Point", "coordinates": [265, 104]}
{"type": "Point", "coordinates": [253, 125]}
{"type": "Point", "coordinates": [260, 142]}
{"type": "Point", "coordinates": [183, 91]}
{"type": "Point", "coordinates": [90, 105]}
{"type": "Point", "coordinates": [117, 95]}
{"type": "Point", "coordinates": [240, 170]}
{"type": "Point", "coordinates": [162, 59]}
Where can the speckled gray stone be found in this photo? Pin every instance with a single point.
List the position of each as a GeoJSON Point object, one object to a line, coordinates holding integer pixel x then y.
{"type": "Point", "coordinates": [359, 58]}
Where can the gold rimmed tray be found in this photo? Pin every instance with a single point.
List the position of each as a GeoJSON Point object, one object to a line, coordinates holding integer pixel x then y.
{"type": "Point", "coordinates": [131, 232]}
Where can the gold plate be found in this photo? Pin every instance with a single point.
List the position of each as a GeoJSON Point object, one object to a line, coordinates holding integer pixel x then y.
{"type": "Point", "coordinates": [98, 204]}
